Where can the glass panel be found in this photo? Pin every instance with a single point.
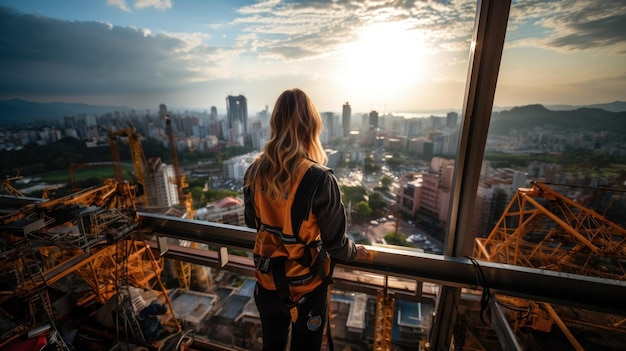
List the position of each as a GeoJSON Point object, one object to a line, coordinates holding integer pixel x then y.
{"type": "Point", "coordinates": [388, 79]}
{"type": "Point", "coordinates": [551, 193]}
{"type": "Point", "coordinates": [555, 144]}
{"type": "Point", "coordinates": [390, 93]}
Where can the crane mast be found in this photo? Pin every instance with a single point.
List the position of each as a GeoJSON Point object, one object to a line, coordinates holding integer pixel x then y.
{"type": "Point", "coordinates": [184, 269]}
{"type": "Point", "coordinates": [136, 153]}
{"type": "Point", "coordinates": [543, 229]}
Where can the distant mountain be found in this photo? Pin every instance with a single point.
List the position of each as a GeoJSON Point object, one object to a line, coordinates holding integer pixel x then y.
{"type": "Point", "coordinates": [615, 106]}
{"type": "Point", "coordinates": [21, 111]}
{"type": "Point", "coordinates": [528, 117]}
{"type": "Point", "coordinates": [609, 116]}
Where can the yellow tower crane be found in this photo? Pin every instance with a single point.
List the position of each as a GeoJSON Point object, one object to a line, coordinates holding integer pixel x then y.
{"type": "Point", "coordinates": [543, 229]}
{"type": "Point", "coordinates": [383, 319]}
{"type": "Point", "coordinates": [136, 153]}
{"type": "Point", "coordinates": [6, 186]}
{"type": "Point", "coordinates": [184, 269]}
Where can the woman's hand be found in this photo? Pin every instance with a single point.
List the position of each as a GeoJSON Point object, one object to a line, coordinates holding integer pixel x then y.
{"type": "Point", "coordinates": [361, 253]}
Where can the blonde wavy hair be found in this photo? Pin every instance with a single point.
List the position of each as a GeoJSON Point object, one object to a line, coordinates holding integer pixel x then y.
{"type": "Point", "coordinates": [295, 128]}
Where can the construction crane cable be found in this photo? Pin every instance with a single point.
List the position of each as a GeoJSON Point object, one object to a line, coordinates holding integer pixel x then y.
{"type": "Point", "coordinates": [486, 295]}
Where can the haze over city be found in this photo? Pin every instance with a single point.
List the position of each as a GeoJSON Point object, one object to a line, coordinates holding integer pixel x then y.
{"type": "Point", "coordinates": [388, 56]}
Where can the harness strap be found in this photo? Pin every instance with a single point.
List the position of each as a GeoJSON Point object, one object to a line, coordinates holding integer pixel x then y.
{"type": "Point", "coordinates": [278, 231]}
{"type": "Point", "coordinates": [306, 258]}
{"type": "Point", "coordinates": [303, 198]}
{"type": "Point", "coordinates": [282, 288]}
{"type": "Point", "coordinates": [329, 336]}
{"type": "Point", "coordinates": [300, 210]}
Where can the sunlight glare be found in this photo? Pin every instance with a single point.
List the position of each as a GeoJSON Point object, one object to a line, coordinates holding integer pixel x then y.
{"type": "Point", "coordinates": [387, 57]}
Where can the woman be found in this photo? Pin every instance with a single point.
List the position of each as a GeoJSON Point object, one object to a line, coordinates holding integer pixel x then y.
{"type": "Point", "coordinates": [295, 204]}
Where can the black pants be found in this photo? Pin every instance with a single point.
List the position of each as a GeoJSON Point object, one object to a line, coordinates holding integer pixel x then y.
{"type": "Point", "coordinates": [308, 330]}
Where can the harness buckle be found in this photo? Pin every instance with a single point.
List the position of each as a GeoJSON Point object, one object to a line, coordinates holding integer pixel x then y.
{"type": "Point", "coordinates": [263, 264]}
{"type": "Point", "coordinates": [293, 308]}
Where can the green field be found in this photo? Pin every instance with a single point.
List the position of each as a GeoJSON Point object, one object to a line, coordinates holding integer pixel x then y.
{"type": "Point", "coordinates": [61, 180]}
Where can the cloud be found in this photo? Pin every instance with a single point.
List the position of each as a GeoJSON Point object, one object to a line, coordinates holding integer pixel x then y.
{"type": "Point", "coordinates": [47, 56]}
{"type": "Point", "coordinates": [120, 4]}
{"type": "Point", "coordinates": [301, 30]}
{"type": "Point", "coordinates": [141, 4]}
{"type": "Point", "coordinates": [157, 4]}
{"type": "Point", "coordinates": [572, 24]}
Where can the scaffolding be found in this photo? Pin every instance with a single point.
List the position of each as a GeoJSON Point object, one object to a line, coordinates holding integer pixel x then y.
{"type": "Point", "coordinates": [91, 237]}
{"type": "Point", "coordinates": [543, 229]}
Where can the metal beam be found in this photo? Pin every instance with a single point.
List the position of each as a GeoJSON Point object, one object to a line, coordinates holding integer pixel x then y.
{"type": "Point", "coordinates": [597, 294]}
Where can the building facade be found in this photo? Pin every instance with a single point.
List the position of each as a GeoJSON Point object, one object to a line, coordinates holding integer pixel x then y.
{"type": "Point", "coordinates": [236, 116]}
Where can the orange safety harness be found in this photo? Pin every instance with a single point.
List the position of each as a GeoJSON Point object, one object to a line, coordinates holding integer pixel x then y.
{"type": "Point", "coordinates": [288, 253]}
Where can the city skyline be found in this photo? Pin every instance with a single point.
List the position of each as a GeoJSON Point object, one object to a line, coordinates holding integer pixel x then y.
{"type": "Point", "coordinates": [407, 57]}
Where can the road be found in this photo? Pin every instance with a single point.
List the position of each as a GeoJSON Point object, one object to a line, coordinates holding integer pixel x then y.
{"type": "Point", "coordinates": [377, 232]}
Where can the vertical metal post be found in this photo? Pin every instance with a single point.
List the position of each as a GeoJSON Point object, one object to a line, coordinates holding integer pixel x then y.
{"type": "Point", "coordinates": [484, 65]}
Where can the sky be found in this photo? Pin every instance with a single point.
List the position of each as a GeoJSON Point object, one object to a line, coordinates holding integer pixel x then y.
{"type": "Point", "coordinates": [389, 56]}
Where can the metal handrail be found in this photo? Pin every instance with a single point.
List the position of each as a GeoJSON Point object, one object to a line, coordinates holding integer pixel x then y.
{"type": "Point", "coordinates": [597, 294]}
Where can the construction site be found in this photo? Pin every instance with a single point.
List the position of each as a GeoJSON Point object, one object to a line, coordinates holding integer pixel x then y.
{"type": "Point", "coordinates": [104, 269]}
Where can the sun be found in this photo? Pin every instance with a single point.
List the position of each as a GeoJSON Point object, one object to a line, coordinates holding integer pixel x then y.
{"type": "Point", "coordinates": [387, 57]}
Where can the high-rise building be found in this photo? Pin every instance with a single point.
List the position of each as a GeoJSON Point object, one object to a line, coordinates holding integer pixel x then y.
{"type": "Point", "coordinates": [374, 119]}
{"type": "Point", "coordinates": [264, 116]}
{"type": "Point", "coordinates": [452, 119]}
{"type": "Point", "coordinates": [520, 180]}
{"type": "Point", "coordinates": [237, 115]}
{"type": "Point", "coordinates": [235, 167]}
{"type": "Point", "coordinates": [160, 184]}
{"type": "Point", "coordinates": [213, 116]}
{"type": "Point", "coordinates": [162, 111]}
{"type": "Point", "coordinates": [329, 132]}
{"type": "Point", "coordinates": [346, 119]}
{"type": "Point", "coordinates": [259, 135]}
{"type": "Point", "coordinates": [70, 121]}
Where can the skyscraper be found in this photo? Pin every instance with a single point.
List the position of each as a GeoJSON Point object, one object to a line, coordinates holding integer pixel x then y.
{"type": "Point", "coordinates": [374, 119]}
{"type": "Point", "coordinates": [213, 116]}
{"type": "Point", "coordinates": [452, 119]}
{"type": "Point", "coordinates": [160, 184]}
{"type": "Point", "coordinates": [237, 115]}
{"type": "Point", "coordinates": [346, 119]}
{"type": "Point", "coordinates": [332, 127]}
{"type": "Point", "coordinates": [162, 111]}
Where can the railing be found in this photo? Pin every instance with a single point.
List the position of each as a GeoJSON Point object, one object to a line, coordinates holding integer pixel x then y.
{"type": "Point", "coordinates": [402, 266]}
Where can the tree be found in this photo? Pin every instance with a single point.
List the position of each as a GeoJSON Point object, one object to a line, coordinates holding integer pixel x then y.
{"type": "Point", "coordinates": [362, 211]}
{"type": "Point", "coordinates": [197, 194]}
{"type": "Point", "coordinates": [370, 166]}
{"type": "Point", "coordinates": [353, 194]}
{"type": "Point", "coordinates": [386, 181]}
{"type": "Point", "coordinates": [380, 189]}
{"type": "Point", "coordinates": [396, 238]}
{"type": "Point", "coordinates": [376, 203]}
{"type": "Point", "coordinates": [394, 163]}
